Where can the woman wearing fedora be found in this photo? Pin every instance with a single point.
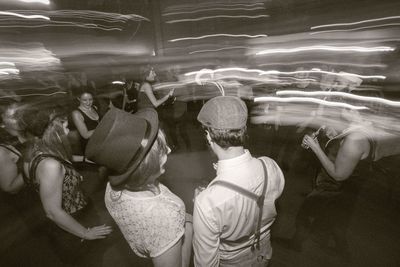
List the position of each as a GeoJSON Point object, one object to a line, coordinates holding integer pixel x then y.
{"type": "Point", "coordinates": [48, 169]}
{"type": "Point", "coordinates": [151, 218]}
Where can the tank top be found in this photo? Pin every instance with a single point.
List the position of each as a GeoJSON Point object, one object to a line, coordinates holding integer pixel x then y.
{"type": "Point", "coordinates": [73, 198]}
{"type": "Point", "coordinates": [325, 182]}
{"type": "Point", "coordinates": [90, 125]}
{"type": "Point", "coordinates": [143, 100]}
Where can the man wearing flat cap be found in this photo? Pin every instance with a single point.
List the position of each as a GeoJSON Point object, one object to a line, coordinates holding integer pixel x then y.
{"type": "Point", "coordinates": [232, 217]}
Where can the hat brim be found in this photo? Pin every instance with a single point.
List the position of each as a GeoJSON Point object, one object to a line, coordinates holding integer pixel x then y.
{"type": "Point", "coordinates": [150, 115]}
{"type": "Point", "coordinates": [151, 118]}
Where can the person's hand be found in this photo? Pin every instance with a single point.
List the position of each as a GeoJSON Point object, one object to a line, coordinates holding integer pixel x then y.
{"type": "Point", "coordinates": [97, 232]}
{"type": "Point", "coordinates": [309, 141]}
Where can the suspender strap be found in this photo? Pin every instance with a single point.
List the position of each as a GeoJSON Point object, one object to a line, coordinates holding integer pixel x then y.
{"type": "Point", "coordinates": [258, 199]}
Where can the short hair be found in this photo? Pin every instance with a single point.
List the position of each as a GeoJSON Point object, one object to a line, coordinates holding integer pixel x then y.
{"type": "Point", "coordinates": [150, 166]}
{"type": "Point", "coordinates": [227, 138]}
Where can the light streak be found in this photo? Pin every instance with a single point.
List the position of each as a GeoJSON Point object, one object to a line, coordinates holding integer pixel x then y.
{"type": "Point", "coordinates": [208, 4]}
{"type": "Point", "coordinates": [9, 71]}
{"type": "Point", "coordinates": [50, 94]}
{"type": "Point", "coordinates": [217, 16]}
{"type": "Point", "coordinates": [118, 82]}
{"type": "Point", "coordinates": [356, 29]}
{"type": "Point", "coordinates": [327, 48]}
{"type": "Point", "coordinates": [46, 2]}
{"type": "Point", "coordinates": [276, 72]}
{"type": "Point", "coordinates": [7, 63]}
{"type": "Point", "coordinates": [308, 100]}
{"type": "Point", "coordinates": [218, 49]}
{"type": "Point", "coordinates": [341, 94]}
{"type": "Point", "coordinates": [325, 63]}
{"type": "Point", "coordinates": [354, 23]}
{"type": "Point", "coordinates": [6, 13]}
{"type": "Point", "coordinates": [211, 9]}
{"type": "Point", "coordinates": [218, 35]}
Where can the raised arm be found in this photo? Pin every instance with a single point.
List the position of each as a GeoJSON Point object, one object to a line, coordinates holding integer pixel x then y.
{"type": "Point", "coordinates": [146, 87]}
{"type": "Point", "coordinates": [354, 148]}
{"type": "Point", "coordinates": [80, 125]}
{"type": "Point", "coordinates": [11, 180]}
{"type": "Point", "coordinates": [50, 175]}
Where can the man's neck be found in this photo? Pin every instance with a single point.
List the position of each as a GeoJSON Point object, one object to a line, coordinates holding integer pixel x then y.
{"type": "Point", "coordinates": [229, 153]}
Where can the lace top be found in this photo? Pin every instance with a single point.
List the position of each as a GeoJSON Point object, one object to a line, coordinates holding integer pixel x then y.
{"type": "Point", "coordinates": [151, 225]}
{"type": "Point", "coordinates": [73, 198]}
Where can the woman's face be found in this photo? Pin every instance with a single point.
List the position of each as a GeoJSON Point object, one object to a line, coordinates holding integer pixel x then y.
{"type": "Point", "coordinates": [86, 100]}
{"type": "Point", "coordinates": [151, 77]}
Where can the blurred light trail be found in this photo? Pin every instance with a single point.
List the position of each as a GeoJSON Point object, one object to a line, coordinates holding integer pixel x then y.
{"type": "Point", "coordinates": [357, 29]}
{"type": "Point", "coordinates": [308, 100]}
{"type": "Point", "coordinates": [218, 16]}
{"type": "Point", "coordinates": [46, 2]}
{"type": "Point", "coordinates": [354, 23]}
{"type": "Point", "coordinates": [191, 7]}
{"type": "Point", "coordinates": [277, 72]}
{"type": "Point", "coordinates": [50, 94]}
{"type": "Point", "coordinates": [341, 94]}
{"type": "Point", "coordinates": [218, 49]}
{"type": "Point", "coordinates": [118, 82]}
{"type": "Point", "coordinates": [7, 63]}
{"type": "Point", "coordinates": [327, 48]}
{"type": "Point", "coordinates": [218, 35]}
{"type": "Point", "coordinates": [324, 63]}
{"type": "Point", "coordinates": [6, 13]}
{"type": "Point", "coordinates": [212, 9]}
{"type": "Point", "coordinates": [72, 18]}
{"type": "Point", "coordinates": [9, 71]}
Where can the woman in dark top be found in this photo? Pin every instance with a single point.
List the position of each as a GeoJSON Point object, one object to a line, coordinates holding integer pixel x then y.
{"type": "Point", "coordinates": [85, 118]}
{"type": "Point", "coordinates": [48, 168]}
{"type": "Point", "coordinates": [146, 97]}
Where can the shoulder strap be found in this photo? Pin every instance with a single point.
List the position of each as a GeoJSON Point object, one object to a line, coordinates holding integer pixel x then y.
{"type": "Point", "coordinates": [11, 149]}
{"type": "Point", "coordinates": [258, 199]}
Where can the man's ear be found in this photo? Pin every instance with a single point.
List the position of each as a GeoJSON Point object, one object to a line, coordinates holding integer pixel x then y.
{"type": "Point", "coordinates": [208, 137]}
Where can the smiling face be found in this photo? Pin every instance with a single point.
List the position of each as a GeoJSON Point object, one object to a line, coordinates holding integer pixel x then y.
{"type": "Point", "coordinates": [86, 100]}
{"type": "Point", "coordinates": [151, 77]}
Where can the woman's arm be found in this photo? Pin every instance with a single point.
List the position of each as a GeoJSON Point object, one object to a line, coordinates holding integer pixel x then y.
{"type": "Point", "coordinates": [80, 125]}
{"type": "Point", "coordinates": [146, 87]}
{"type": "Point", "coordinates": [351, 151]}
{"type": "Point", "coordinates": [50, 175]}
{"type": "Point", "coordinates": [11, 180]}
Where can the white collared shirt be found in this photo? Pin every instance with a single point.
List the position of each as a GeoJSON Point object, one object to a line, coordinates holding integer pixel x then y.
{"type": "Point", "coordinates": [221, 216]}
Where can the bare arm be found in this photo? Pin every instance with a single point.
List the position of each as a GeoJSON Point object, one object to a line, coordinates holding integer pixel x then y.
{"type": "Point", "coordinates": [11, 180]}
{"type": "Point", "coordinates": [80, 125]}
{"type": "Point", "coordinates": [351, 151]}
{"type": "Point", "coordinates": [50, 175]}
{"type": "Point", "coordinates": [146, 87]}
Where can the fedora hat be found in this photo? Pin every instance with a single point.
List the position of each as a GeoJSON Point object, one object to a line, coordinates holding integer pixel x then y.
{"type": "Point", "coordinates": [121, 141]}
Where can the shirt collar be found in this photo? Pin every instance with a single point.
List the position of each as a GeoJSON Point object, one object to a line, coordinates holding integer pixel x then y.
{"type": "Point", "coordinates": [227, 164]}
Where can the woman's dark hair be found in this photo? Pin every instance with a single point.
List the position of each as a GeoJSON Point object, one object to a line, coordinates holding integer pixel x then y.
{"type": "Point", "coordinates": [227, 138]}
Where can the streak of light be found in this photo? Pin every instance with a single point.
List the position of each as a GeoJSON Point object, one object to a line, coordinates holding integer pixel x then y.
{"type": "Point", "coordinates": [46, 2]}
{"type": "Point", "coordinates": [341, 94]}
{"type": "Point", "coordinates": [218, 16]}
{"type": "Point", "coordinates": [214, 5]}
{"type": "Point", "coordinates": [6, 13]}
{"type": "Point", "coordinates": [276, 72]}
{"type": "Point", "coordinates": [307, 100]}
{"type": "Point", "coordinates": [65, 24]}
{"type": "Point", "coordinates": [9, 71]}
{"type": "Point", "coordinates": [118, 82]}
{"type": "Point", "coordinates": [7, 63]}
{"type": "Point", "coordinates": [50, 94]}
{"type": "Point", "coordinates": [211, 9]}
{"type": "Point", "coordinates": [327, 48]}
{"type": "Point", "coordinates": [218, 35]}
{"type": "Point", "coordinates": [325, 63]}
{"type": "Point", "coordinates": [218, 49]}
{"type": "Point", "coordinates": [356, 29]}
{"type": "Point", "coordinates": [354, 23]}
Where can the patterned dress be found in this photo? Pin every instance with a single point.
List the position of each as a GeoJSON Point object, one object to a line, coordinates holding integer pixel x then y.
{"type": "Point", "coordinates": [151, 225]}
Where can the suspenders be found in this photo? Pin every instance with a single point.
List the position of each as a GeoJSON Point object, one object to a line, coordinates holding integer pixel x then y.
{"type": "Point", "coordinates": [258, 199]}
